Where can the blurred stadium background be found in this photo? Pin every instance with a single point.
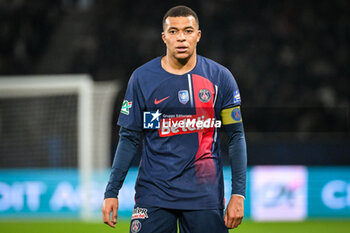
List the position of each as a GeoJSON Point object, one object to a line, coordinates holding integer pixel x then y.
{"type": "Point", "coordinates": [64, 67]}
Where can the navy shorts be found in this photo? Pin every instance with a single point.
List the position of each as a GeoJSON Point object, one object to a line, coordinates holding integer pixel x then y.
{"type": "Point", "coordinates": [160, 220]}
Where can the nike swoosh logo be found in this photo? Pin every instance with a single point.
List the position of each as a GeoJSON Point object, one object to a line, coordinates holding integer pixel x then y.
{"type": "Point", "coordinates": [161, 100]}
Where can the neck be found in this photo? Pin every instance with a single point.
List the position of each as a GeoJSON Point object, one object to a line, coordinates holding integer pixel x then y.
{"type": "Point", "coordinates": [179, 66]}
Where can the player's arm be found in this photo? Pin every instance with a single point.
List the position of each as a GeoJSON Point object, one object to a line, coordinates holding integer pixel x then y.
{"type": "Point", "coordinates": [128, 145]}
{"type": "Point", "coordinates": [232, 122]}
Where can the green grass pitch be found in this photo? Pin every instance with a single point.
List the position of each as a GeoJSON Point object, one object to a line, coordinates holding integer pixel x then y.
{"type": "Point", "coordinates": [310, 226]}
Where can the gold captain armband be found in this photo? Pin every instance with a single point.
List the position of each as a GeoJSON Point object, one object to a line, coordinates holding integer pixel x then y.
{"type": "Point", "coordinates": [231, 115]}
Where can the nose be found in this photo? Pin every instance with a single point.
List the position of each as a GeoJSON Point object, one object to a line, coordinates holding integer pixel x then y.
{"type": "Point", "coordinates": [181, 36]}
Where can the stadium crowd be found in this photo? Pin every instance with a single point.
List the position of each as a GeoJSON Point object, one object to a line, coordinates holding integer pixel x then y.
{"type": "Point", "coordinates": [25, 27]}
{"type": "Point", "coordinates": [284, 54]}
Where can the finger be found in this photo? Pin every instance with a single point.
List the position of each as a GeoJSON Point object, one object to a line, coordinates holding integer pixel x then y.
{"type": "Point", "coordinates": [236, 219]}
{"type": "Point", "coordinates": [106, 218]}
{"type": "Point", "coordinates": [226, 220]}
{"type": "Point", "coordinates": [104, 215]}
{"type": "Point", "coordinates": [109, 223]}
{"type": "Point", "coordinates": [115, 214]}
{"type": "Point", "coordinates": [239, 221]}
{"type": "Point", "coordinates": [234, 223]}
{"type": "Point", "coordinates": [229, 222]}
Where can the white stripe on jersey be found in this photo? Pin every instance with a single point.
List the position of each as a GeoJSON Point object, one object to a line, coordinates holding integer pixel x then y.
{"type": "Point", "coordinates": [190, 88]}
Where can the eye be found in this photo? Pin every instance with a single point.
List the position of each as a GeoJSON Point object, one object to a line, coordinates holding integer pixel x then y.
{"type": "Point", "coordinates": [188, 31]}
{"type": "Point", "coordinates": [172, 31]}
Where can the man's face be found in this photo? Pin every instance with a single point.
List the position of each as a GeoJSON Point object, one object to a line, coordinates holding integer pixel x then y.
{"type": "Point", "coordinates": [181, 35]}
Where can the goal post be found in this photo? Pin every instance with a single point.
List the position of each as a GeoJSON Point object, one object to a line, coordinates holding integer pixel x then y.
{"type": "Point", "coordinates": [92, 111]}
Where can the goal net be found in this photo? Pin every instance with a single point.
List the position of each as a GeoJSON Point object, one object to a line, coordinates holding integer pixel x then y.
{"type": "Point", "coordinates": [56, 121]}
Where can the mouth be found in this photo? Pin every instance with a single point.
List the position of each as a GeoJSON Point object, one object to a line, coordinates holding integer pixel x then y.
{"type": "Point", "coordinates": [181, 49]}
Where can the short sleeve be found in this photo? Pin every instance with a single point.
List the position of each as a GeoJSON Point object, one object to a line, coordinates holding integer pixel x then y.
{"type": "Point", "coordinates": [133, 104]}
{"type": "Point", "coordinates": [230, 92]}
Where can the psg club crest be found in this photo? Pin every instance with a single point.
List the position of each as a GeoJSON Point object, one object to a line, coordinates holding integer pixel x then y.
{"type": "Point", "coordinates": [204, 95]}
{"type": "Point", "coordinates": [135, 226]}
{"type": "Point", "coordinates": [236, 114]}
{"type": "Point", "coordinates": [183, 96]}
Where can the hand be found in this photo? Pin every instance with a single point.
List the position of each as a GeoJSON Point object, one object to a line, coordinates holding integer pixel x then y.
{"type": "Point", "coordinates": [234, 212]}
{"type": "Point", "coordinates": [110, 205]}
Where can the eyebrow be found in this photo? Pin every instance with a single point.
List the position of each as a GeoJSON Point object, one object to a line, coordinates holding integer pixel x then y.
{"type": "Point", "coordinates": [188, 27]}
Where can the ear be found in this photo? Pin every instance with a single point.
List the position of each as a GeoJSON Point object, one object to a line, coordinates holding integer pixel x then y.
{"type": "Point", "coordinates": [163, 37]}
{"type": "Point", "coordinates": [199, 34]}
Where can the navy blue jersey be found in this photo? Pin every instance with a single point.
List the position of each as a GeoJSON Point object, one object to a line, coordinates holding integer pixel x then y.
{"type": "Point", "coordinates": [181, 164]}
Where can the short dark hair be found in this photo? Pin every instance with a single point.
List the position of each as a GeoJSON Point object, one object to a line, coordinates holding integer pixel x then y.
{"type": "Point", "coordinates": [180, 11]}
